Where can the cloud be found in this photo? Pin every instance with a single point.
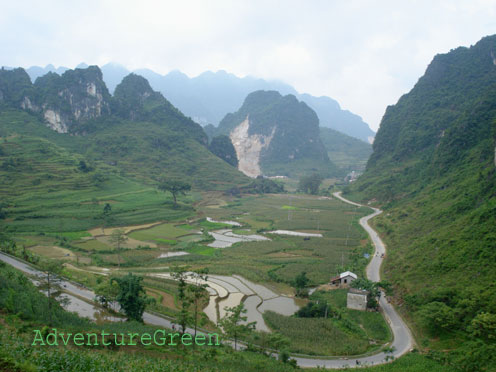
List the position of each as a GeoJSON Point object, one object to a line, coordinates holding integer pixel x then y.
{"type": "Point", "coordinates": [365, 54]}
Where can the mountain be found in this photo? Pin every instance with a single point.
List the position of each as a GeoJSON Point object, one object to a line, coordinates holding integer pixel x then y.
{"type": "Point", "coordinates": [137, 131]}
{"type": "Point", "coordinates": [207, 98]}
{"type": "Point", "coordinates": [35, 72]}
{"type": "Point", "coordinates": [332, 116]}
{"type": "Point", "coordinates": [276, 135]}
{"type": "Point", "coordinates": [433, 170]}
{"type": "Point", "coordinates": [348, 153]}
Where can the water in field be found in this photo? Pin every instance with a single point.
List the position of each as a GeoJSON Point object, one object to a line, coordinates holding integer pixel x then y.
{"type": "Point", "coordinates": [173, 254]}
{"type": "Point", "coordinates": [232, 223]}
{"type": "Point", "coordinates": [253, 315]}
{"type": "Point", "coordinates": [295, 233]}
{"type": "Point", "coordinates": [282, 305]}
{"type": "Point", "coordinates": [225, 238]}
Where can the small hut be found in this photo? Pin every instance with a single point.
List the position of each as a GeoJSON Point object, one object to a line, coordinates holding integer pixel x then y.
{"type": "Point", "coordinates": [344, 279]}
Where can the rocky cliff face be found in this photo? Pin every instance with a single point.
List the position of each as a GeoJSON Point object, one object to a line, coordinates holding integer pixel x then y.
{"type": "Point", "coordinates": [78, 95]}
{"type": "Point", "coordinates": [249, 148]}
{"type": "Point", "coordinates": [64, 101]}
{"type": "Point", "coordinates": [276, 135]}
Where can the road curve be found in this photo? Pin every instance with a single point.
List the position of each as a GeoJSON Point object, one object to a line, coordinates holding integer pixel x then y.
{"type": "Point", "coordinates": [402, 338]}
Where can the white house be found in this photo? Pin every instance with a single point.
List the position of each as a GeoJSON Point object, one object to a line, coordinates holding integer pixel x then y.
{"type": "Point", "coordinates": [344, 279]}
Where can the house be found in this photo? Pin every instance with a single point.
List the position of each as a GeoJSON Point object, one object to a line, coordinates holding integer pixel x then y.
{"type": "Point", "coordinates": [344, 279]}
{"type": "Point", "coordinates": [357, 299]}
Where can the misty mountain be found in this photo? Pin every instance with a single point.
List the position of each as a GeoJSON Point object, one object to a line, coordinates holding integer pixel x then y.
{"type": "Point", "coordinates": [276, 135]}
{"type": "Point", "coordinates": [137, 131]}
{"type": "Point", "coordinates": [208, 97]}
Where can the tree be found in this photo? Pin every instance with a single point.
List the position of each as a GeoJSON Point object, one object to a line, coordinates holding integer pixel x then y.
{"type": "Point", "coordinates": [197, 291]}
{"type": "Point", "coordinates": [372, 287]}
{"type": "Point", "coordinates": [83, 167]}
{"type": "Point", "coordinates": [318, 309]}
{"type": "Point", "coordinates": [180, 274]}
{"type": "Point", "coordinates": [3, 214]}
{"type": "Point", "coordinates": [132, 297]}
{"type": "Point", "coordinates": [437, 315]}
{"type": "Point", "coordinates": [224, 149]}
{"type": "Point", "coordinates": [484, 326]}
{"type": "Point", "coordinates": [107, 212]}
{"type": "Point", "coordinates": [106, 293]}
{"type": "Point", "coordinates": [175, 187]}
{"type": "Point", "coordinates": [118, 238]}
{"type": "Point", "coordinates": [300, 283]}
{"type": "Point", "coordinates": [50, 282]}
{"type": "Point", "coordinates": [232, 323]}
{"type": "Point", "coordinates": [310, 184]}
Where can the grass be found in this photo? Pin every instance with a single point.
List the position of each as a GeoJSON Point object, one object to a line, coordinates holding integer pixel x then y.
{"type": "Point", "coordinates": [71, 235]}
{"type": "Point", "coordinates": [203, 250]}
{"type": "Point", "coordinates": [350, 332]}
{"type": "Point", "coordinates": [46, 191]}
{"type": "Point", "coordinates": [93, 245]}
{"type": "Point", "coordinates": [160, 233]}
{"type": "Point", "coordinates": [412, 362]}
{"type": "Point", "coordinates": [166, 241]}
{"type": "Point", "coordinates": [317, 336]}
{"type": "Point", "coordinates": [284, 256]}
{"type": "Point", "coordinates": [289, 207]}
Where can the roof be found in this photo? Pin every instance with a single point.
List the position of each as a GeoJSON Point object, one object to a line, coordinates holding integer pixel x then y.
{"type": "Point", "coordinates": [358, 291]}
{"type": "Point", "coordinates": [348, 273]}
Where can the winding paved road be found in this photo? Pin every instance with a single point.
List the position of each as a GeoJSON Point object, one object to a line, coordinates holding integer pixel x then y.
{"type": "Point", "coordinates": [402, 338]}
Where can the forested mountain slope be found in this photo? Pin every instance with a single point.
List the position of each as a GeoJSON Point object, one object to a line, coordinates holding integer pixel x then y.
{"type": "Point", "coordinates": [433, 170]}
{"type": "Point", "coordinates": [276, 135]}
{"type": "Point", "coordinates": [137, 131]}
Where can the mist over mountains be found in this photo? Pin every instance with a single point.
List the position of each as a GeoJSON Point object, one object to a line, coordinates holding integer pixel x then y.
{"type": "Point", "coordinates": [207, 98]}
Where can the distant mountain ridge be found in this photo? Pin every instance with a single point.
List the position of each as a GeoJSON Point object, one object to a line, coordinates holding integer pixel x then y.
{"type": "Point", "coordinates": [208, 97]}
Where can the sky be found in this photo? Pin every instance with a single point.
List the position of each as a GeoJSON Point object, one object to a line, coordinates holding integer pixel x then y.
{"type": "Point", "coordinates": [364, 54]}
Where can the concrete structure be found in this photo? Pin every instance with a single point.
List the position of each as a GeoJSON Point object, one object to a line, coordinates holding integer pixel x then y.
{"type": "Point", "coordinates": [357, 299]}
{"type": "Point", "coordinates": [344, 279]}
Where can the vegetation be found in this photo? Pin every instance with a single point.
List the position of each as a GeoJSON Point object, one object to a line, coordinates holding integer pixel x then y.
{"type": "Point", "coordinates": [342, 246]}
{"type": "Point", "coordinates": [433, 172]}
{"type": "Point", "coordinates": [348, 153]}
{"type": "Point", "coordinates": [224, 149]}
{"type": "Point", "coordinates": [106, 293]}
{"type": "Point", "coordinates": [197, 292]}
{"type": "Point", "coordinates": [50, 282]}
{"type": "Point", "coordinates": [234, 323]}
{"type": "Point", "coordinates": [310, 184]}
{"type": "Point", "coordinates": [175, 187]}
{"type": "Point", "coordinates": [23, 309]}
{"type": "Point", "coordinates": [294, 127]}
{"type": "Point", "coordinates": [118, 238]}
{"type": "Point", "coordinates": [262, 185]}
{"type": "Point", "coordinates": [374, 289]}
{"type": "Point", "coordinates": [143, 118]}
{"type": "Point", "coordinates": [341, 331]}
{"type": "Point", "coordinates": [131, 296]}
{"type": "Point", "coordinates": [180, 274]}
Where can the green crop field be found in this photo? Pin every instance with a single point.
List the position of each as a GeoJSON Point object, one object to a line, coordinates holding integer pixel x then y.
{"type": "Point", "coordinates": [345, 332]}
{"type": "Point", "coordinates": [156, 233]}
